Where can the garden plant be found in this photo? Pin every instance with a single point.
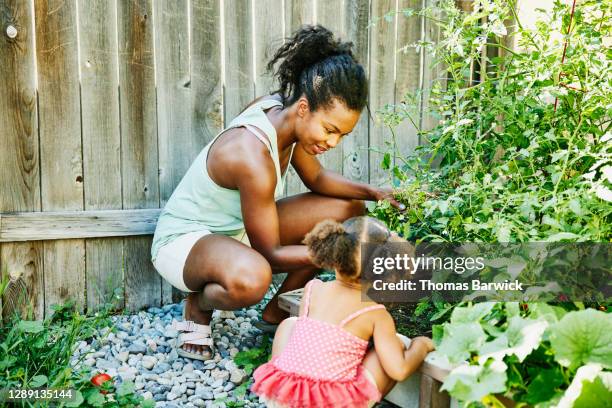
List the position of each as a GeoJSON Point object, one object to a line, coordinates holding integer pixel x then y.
{"type": "Point", "coordinates": [520, 152]}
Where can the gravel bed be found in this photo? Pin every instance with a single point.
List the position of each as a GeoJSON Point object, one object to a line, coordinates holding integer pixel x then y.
{"type": "Point", "coordinates": [141, 350]}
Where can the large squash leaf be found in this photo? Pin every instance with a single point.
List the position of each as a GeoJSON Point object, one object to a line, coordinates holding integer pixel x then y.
{"type": "Point", "coordinates": [583, 337]}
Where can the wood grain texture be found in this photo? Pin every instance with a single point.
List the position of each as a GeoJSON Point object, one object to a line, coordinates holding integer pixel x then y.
{"type": "Point", "coordinates": [430, 395]}
{"type": "Point", "coordinates": [330, 14]}
{"type": "Point", "coordinates": [177, 145]}
{"type": "Point", "coordinates": [142, 283]}
{"type": "Point", "coordinates": [60, 144]}
{"type": "Point", "coordinates": [432, 72]}
{"type": "Point", "coordinates": [382, 89]}
{"type": "Point", "coordinates": [238, 89]}
{"type": "Point", "coordinates": [49, 225]}
{"type": "Point", "coordinates": [268, 29]}
{"type": "Point", "coordinates": [19, 159]}
{"type": "Point", "coordinates": [408, 70]}
{"type": "Point", "coordinates": [355, 154]}
{"type": "Point", "coordinates": [297, 13]}
{"type": "Point", "coordinates": [206, 68]}
{"type": "Point", "coordinates": [101, 142]}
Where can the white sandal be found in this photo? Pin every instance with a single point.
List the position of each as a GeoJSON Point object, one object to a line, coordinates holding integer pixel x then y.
{"type": "Point", "coordinates": [196, 334]}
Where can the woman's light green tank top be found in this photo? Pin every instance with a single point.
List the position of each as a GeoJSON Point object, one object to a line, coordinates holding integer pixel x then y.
{"type": "Point", "coordinates": [198, 203]}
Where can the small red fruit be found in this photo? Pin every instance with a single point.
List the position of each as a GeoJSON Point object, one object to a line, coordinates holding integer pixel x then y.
{"type": "Point", "coordinates": [100, 379]}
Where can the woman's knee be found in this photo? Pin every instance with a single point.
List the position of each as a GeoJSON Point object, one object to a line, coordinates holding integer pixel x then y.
{"type": "Point", "coordinates": [249, 281]}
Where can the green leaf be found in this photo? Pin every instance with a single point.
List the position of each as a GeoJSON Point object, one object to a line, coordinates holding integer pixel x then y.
{"type": "Point", "coordinates": [597, 393]}
{"type": "Point", "coordinates": [77, 400]}
{"type": "Point", "coordinates": [583, 337]}
{"type": "Point", "coordinates": [31, 326]}
{"type": "Point", "coordinates": [437, 332]}
{"type": "Point", "coordinates": [38, 381]}
{"type": "Point", "coordinates": [540, 310]}
{"type": "Point", "coordinates": [470, 383]}
{"type": "Point", "coordinates": [460, 339]}
{"type": "Point", "coordinates": [585, 391]}
{"type": "Point", "coordinates": [503, 234]}
{"type": "Point", "coordinates": [472, 313]}
{"type": "Point", "coordinates": [386, 163]}
{"type": "Point", "coordinates": [543, 386]}
{"type": "Point", "coordinates": [148, 403]}
{"type": "Point", "coordinates": [96, 399]}
{"type": "Point", "coordinates": [560, 236]}
{"type": "Point", "coordinates": [575, 206]}
{"type": "Point", "coordinates": [520, 339]}
{"type": "Point", "coordinates": [125, 388]}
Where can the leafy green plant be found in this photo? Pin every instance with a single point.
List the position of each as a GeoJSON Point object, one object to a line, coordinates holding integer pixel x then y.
{"type": "Point", "coordinates": [249, 360]}
{"type": "Point", "coordinates": [534, 354]}
{"type": "Point", "coordinates": [37, 353]}
{"type": "Point", "coordinates": [522, 148]}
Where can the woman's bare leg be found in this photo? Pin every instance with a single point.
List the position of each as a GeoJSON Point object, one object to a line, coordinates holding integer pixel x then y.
{"type": "Point", "coordinates": [222, 284]}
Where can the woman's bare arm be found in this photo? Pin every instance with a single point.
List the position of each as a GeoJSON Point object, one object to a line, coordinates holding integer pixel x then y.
{"type": "Point", "coordinates": [323, 181]}
{"type": "Point", "coordinates": [255, 177]}
{"type": "Point", "coordinates": [326, 182]}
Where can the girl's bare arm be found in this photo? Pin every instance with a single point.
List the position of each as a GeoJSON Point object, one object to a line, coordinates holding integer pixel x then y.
{"type": "Point", "coordinates": [399, 363]}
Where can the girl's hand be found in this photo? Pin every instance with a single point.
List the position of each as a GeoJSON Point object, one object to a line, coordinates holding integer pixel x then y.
{"type": "Point", "coordinates": [386, 193]}
{"type": "Point", "coordinates": [426, 342]}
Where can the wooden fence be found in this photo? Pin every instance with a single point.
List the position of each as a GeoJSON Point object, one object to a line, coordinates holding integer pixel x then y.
{"type": "Point", "coordinates": [104, 104]}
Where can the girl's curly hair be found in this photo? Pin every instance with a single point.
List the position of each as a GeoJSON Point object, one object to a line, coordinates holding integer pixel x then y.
{"type": "Point", "coordinates": [336, 246]}
{"type": "Point", "coordinates": [315, 64]}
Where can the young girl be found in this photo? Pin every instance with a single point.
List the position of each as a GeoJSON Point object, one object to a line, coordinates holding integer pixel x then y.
{"type": "Point", "coordinates": [321, 358]}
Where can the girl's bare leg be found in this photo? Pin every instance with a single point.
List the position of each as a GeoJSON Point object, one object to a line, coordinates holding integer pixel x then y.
{"type": "Point", "coordinates": [372, 364]}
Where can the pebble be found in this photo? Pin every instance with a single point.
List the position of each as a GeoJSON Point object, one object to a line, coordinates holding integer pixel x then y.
{"type": "Point", "coordinates": [148, 362]}
{"type": "Point", "coordinates": [123, 356]}
{"type": "Point", "coordinates": [141, 349]}
{"type": "Point", "coordinates": [136, 348]}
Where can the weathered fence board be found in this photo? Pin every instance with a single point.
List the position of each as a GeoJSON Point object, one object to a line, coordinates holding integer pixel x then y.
{"type": "Point", "coordinates": [101, 140]}
{"type": "Point", "coordinates": [408, 72]}
{"type": "Point", "coordinates": [330, 14]}
{"type": "Point", "coordinates": [268, 36]}
{"type": "Point", "coordinates": [238, 51]}
{"type": "Point", "coordinates": [139, 153]}
{"type": "Point", "coordinates": [355, 154]}
{"type": "Point", "coordinates": [178, 145]}
{"type": "Point", "coordinates": [297, 13]}
{"type": "Point", "coordinates": [19, 159]}
{"type": "Point", "coordinates": [60, 144]}
{"type": "Point", "coordinates": [48, 225]}
{"type": "Point", "coordinates": [382, 89]}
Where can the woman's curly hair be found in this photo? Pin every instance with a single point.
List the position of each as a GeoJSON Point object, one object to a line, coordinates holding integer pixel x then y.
{"type": "Point", "coordinates": [315, 64]}
{"type": "Point", "coordinates": [336, 246]}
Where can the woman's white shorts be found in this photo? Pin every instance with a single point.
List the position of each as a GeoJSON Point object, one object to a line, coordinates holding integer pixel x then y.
{"type": "Point", "coordinates": [171, 257]}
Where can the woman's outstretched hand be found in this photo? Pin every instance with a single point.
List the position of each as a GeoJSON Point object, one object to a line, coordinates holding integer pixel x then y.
{"type": "Point", "coordinates": [385, 193]}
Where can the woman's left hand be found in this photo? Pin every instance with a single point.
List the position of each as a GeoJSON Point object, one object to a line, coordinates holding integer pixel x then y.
{"type": "Point", "coordinates": [386, 193]}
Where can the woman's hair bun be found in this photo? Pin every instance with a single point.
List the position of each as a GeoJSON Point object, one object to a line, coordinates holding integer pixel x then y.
{"type": "Point", "coordinates": [312, 52]}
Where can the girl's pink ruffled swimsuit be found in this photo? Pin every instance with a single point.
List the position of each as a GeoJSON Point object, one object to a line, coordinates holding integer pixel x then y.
{"type": "Point", "coordinates": [321, 366]}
